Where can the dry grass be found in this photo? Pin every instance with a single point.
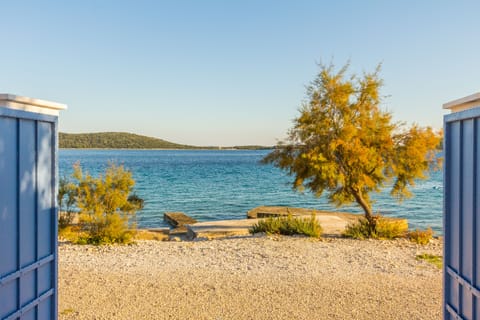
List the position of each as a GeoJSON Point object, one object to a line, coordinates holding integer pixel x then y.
{"type": "Point", "coordinates": [150, 235]}
{"type": "Point", "coordinates": [420, 236]}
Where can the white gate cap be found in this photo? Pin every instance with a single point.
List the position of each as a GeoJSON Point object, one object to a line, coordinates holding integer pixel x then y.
{"type": "Point", "coordinates": [12, 101]}
{"type": "Point", "coordinates": [464, 103]}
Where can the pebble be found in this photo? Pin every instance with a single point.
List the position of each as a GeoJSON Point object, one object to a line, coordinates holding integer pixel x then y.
{"type": "Point", "coordinates": [267, 277]}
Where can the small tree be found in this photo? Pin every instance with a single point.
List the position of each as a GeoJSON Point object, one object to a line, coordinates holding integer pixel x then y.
{"type": "Point", "coordinates": [67, 192]}
{"type": "Point", "coordinates": [106, 213]}
{"type": "Point", "coordinates": [343, 143]}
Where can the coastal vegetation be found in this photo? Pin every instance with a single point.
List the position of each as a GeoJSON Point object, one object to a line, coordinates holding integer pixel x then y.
{"type": "Point", "coordinates": [115, 140]}
{"type": "Point", "coordinates": [382, 229]}
{"type": "Point", "coordinates": [125, 140]}
{"type": "Point", "coordinates": [289, 225]}
{"type": "Point", "coordinates": [420, 236]}
{"type": "Point", "coordinates": [67, 192]}
{"type": "Point", "coordinates": [106, 206]}
{"type": "Point", "coordinates": [436, 260]}
{"type": "Point", "coordinates": [343, 143]}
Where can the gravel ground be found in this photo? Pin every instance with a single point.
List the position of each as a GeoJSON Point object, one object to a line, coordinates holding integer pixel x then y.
{"type": "Point", "coordinates": [250, 278]}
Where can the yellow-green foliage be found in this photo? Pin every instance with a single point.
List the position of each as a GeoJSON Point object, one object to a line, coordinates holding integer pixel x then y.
{"type": "Point", "coordinates": [106, 228]}
{"type": "Point", "coordinates": [359, 230]}
{"type": "Point", "coordinates": [106, 214]}
{"type": "Point", "coordinates": [71, 233]}
{"type": "Point", "coordinates": [149, 235]}
{"type": "Point", "coordinates": [431, 258]}
{"type": "Point", "coordinates": [391, 229]}
{"type": "Point", "coordinates": [289, 226]}
{"type": "Point", "coordinates": [420, 236]}
{"type": "Point", "coordinates": [383, 229]}
{"type": "Point", "coordinates": [66, 312]}
{"type": "Point", "coordinates": [115, 140]}
{"type": "Point", "coordinates": [345, 144]}
{"type": "Point", "coordinates": [66, 200]}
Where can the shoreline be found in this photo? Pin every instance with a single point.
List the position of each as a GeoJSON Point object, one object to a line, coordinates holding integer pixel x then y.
{"type": "Point", "coordinates": [177, 149]}
{"type": "Point", "coordinates": [260, 277]}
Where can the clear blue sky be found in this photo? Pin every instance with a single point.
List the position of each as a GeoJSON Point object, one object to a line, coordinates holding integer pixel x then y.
{"type": "Point", "coordinates": [230, 72]}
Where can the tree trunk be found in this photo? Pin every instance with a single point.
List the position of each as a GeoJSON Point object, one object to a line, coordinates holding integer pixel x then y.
{"type": "Point", "coordinates": [365, 206]}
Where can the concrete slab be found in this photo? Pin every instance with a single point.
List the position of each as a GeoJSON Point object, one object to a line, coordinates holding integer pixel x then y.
{"type": "Point", "coordinates": [220, 229]}
{"type": "Point", "coordinates": [332, 225]}
{"type": "Point", "coordinates": [178, 219]}
{"type": "Point", "coordinates": [272, 211]}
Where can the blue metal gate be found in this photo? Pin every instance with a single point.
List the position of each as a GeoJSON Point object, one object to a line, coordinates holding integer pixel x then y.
{"type": "Point", "coordinates": [28, 213]}
{"type": "Point", "coordinates": [462, 210]}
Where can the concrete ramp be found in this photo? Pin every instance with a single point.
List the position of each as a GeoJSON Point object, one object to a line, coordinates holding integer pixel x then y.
{"type": "Point", "coordinates": [332, 225]}
{"type": "Point", "coordinates": [220, 229]}
{"type": "Point", "coordinates": [178, 220]}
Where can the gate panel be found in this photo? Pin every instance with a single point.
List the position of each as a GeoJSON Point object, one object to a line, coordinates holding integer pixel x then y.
{"type": "Point", "coordinates": [27, 209]}
{"type": "Point", "coordinates": [28, 213]}
{"type": "Point", "coordinates": [466, 218]}
{"type": "Point", "coordinates": [8, 205]}
{"type": "Point", "coordinates": [462, 210]}
{"type": "Point", "coordinates": [476, 238]}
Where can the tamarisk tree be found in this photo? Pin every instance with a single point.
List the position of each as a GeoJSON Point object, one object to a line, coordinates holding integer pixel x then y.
{"type": "Point", "coordinates": [344, 144]}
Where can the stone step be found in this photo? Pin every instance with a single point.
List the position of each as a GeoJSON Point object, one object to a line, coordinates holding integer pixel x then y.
{"type": "Point", "coordinates": [219, 229]}
{"type": "Point", "coordinates": [178, 219]}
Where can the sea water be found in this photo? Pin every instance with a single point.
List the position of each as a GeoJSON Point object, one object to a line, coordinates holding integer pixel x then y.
{"type": "Point", "coordinates": [225, 184]}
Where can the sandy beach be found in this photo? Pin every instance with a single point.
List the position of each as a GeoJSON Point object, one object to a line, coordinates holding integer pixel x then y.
{"type": "Point", "coordinates": [261, 277]}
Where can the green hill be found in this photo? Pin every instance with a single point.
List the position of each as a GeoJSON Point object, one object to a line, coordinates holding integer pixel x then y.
{"type": "Point", "coordinates": [115, 140]}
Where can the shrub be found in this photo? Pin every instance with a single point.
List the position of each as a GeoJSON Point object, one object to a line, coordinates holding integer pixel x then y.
{"type": "Point", "coordinates": [71, 233]}
{"type": "Point", "coordinates": [431, 258]}
{"type": "Point", "coordinates": [391, 229]}
{"type": "Point", "coordinates": [67, 192]}
{"type": "Point", "coordinates": [358, 230]}
{"type": "Point", "coordinates": [136, 201]}
{"type": "Point", "coordinates": [289, 226]}
{"type": "Point", "coordinates": [149, 235]}
{"type": "Point", "coordinates": [383, 229]}
{"type": "Point", "coordinates": [106, 207]}
{"type": "Point", "coordinates": [106, 229]}
{"type": "Point", "coordinates": [420, 236]}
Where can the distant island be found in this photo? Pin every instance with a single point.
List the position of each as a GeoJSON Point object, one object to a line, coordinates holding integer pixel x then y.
{"type": "Point", "coordinates": [125, 140]}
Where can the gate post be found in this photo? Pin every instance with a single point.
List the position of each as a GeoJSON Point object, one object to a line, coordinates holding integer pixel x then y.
{"type": "Point", "coordinates": [461, 220]}
{"type": "Point", "coordinates": [28, 208]}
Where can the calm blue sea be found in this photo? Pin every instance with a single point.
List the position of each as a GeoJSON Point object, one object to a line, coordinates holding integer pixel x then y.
{"type": "Point", "coordinates": [225, 184]}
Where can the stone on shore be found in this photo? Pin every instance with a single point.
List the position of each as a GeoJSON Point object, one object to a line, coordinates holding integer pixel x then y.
{"type": "Point", "coordinates": [219, 229]}
{"type": "Point", "coordinates": [179, 222]}
{"type": "Point", "coordinates": [178, 219]}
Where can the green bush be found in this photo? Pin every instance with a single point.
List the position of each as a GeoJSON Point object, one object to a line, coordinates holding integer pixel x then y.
{"type": "Point", "coordinates": [420, 236]}
{"type": "Point", "coordinates": [289, 226]}
{"type": "Point", "coordinates": [391, 229]}
{"type": "Point", "coordinates": [431, 258]}
{"type": "Point", "coordinates": [358, 230]}
{"type": "Point", "coordinates": [106, 206]}
{"type": "Point", "coordinates": [382, 229]}
{"type": "Point", "coordinates": [66, 201]}
{"type": "Point", "coordinates": [106, 229]}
